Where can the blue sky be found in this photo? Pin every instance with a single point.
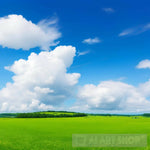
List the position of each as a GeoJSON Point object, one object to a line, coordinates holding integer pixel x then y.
{"type": "Point", "coordinates": [114, 57]}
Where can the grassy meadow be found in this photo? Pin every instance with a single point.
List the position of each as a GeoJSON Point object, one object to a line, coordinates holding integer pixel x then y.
{"type": "Point", "coordinates": [56, 133]}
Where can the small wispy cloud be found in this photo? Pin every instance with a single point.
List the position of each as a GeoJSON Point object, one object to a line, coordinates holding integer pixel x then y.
{"type": "Point", "coordinates": [83, 53]}
{"type": "Point", "coordinates": [92, 40]}
{"type": "Point", "coordinates": [121, 78]}
{"type": "Point", "coordinates": [108, 10]}
{"type": "Point", "coordinates": [144, 64]}
{"type": "Point", "coordinates": [136, 30]}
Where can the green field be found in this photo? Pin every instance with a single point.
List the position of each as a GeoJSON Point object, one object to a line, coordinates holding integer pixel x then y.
{"type": "Point", "coordinates": [56, 133]}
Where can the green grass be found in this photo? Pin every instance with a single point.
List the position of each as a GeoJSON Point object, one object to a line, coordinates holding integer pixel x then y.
{"type": "Point", "coordinates": [56, 133]}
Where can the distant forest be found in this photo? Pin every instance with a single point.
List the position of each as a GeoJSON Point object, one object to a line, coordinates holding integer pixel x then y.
{"type": "Point", "coordinates": [49, 115]}
{"type": "Point", "coordinates": [60, 114]}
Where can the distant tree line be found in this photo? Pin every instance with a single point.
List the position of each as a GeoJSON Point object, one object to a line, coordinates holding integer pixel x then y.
{"type": "Point", "coordinates": [124, 115]}
{"type": "Point", "coordinates": [51, 115]}
{"type": "Point", "coordinates": [146, 114]}
{"type": "Point", "coordinates": [59, 114]}
{"type": "Point", "coordinates": [8, 115]}
{"type": "Point", "coordinates": [100, 114]}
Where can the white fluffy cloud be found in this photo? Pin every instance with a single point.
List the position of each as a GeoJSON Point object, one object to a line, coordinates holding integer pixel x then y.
{"type": "Point", "coordinates": [18, 33]}
{"type": "Point", "coordinates": [143, 64]}
{"type": "Point", "coordinates": [144, 87]}
{"type": "Point", "coordinates": [92, 40]}
{"type": "Point", "coordinates": [40, 82]}
{"type": "Point", "coordinates": [112, 96]}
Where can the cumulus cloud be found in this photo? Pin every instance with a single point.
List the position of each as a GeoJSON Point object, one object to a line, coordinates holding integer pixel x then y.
{"type": "Point", "coordinates": [41, 82]}
{"type": "Point", "coordinates": [145, 88]}
{"type": "Point", "coordinates": [136, 30]}
{"type": "Point", "coordinates": [18, 33]}
{"type": "Point", "coordinates": [92, 40]}
{"type": "Point", "coordinates": [144, 64]}
{"type": "Point", "coordinates": [108, 10]}
{"type": "Point", "coordinates": [111, 96]}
